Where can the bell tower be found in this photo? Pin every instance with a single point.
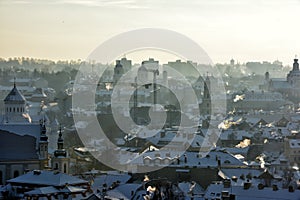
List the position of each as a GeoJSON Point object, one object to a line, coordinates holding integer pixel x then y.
{"type": "Point", "coordinates": [205, 107]}
{"type": "Point", "coordinates": [60, 161]}
{"type": "Point", "coordinates": [43, 146]}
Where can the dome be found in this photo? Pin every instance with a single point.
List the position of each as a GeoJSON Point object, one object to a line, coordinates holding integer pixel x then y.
{"type": "Point", "coordinates": [60, 153]}
{"type": "Point", "coordinates": [15, 96]}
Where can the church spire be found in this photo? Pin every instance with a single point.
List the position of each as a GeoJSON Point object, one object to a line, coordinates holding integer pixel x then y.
{"type": "Point", "coordinates": [43, 144]}
{"type": "Point", "coordinates": [60, 151]}
{"type": "Point", "coordinates": [60, 141]}
{"type": "Point", "coordinates": [60, 161]}
{"type": "Point", "coordinates": [296, 64]}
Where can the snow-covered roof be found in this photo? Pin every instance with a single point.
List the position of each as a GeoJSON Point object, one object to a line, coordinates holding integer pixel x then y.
{"type": "Point", "coordinates": [22, 129]}
{"type": "Point", "coordinates": [124, 191]}
{"type": "Point", "coordinates": [192, 159]}
{"type": "Point", "coordinates": [46, 178]}
{"type": "Point", "coordinates": [253, 193]}
{"type": "Point", "coordinates": [238, 135]}
{"type": "Point", "coordinates": [42, 191]}
{"type": "Point", "coordinates": [17, 147]}
{"type": "Point", "coordinates": [109, 179]}
{"type": "Point", "coordinates": [294, 143]}
{"type": "Point", "coordinates": [190, 189]}
{"type": "Point", "coordinates": [241, 171]}
{"type": "Point", "coordinates": [15, 96]}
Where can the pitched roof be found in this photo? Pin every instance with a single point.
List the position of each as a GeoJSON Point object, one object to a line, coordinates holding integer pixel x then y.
{"type": "Point", "coordinates": [42, 191]}
{"type": "Point", "coordinates": [47, 178]}
{"type": "Point", "coordinates": [26, 147]}
{"type": "Point", "coordinates": [124, 191]}
{"type": "Point", "coordinates": [15, 96]}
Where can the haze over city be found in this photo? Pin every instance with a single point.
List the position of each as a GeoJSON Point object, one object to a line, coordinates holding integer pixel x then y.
{"type": "Point", "coordinates": [149, 100]}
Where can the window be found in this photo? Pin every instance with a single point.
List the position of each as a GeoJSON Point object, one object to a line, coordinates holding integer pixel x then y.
{"type": "Point", "coordinates": [227, 162]}
{"type": "Point", "coordinates": [1, 178]}
{"type": "Point", "coordinates": [65, 168]}
{"type": "Point", "coordinates": [56, 166]}
{"type": "Point", "coordinates": [16, 173]}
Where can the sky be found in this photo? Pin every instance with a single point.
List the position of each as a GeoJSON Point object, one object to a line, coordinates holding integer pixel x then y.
{"type": "Point", "coordinates": [245, 30]}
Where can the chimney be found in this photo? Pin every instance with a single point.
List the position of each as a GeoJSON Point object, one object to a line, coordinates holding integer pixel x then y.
{"type": "Point", "coordinates": [275, 188]}
{"type": "Point", "coordinates": [247, 185]}
{"type": "Point", "coordinates": [227, 183]}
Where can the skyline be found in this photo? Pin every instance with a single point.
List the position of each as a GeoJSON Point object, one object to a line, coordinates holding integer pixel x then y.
{"type": "Point", "coordinates": [70, 30]}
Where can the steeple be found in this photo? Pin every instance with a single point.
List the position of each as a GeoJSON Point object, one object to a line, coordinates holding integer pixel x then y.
{"type": "Point", "coordinates": [205, 107]}
{"type": "Point", "coordinates": [206, 87]}
{"type": "Point", "coordinates": [43, 136]}
{"type": "Point", "coordinates": [43, 145]}
{"type": "Point", "coordinates": [296, 64]}
{"type": "Point", "coordinates": [60, 161]}
{"type": "Point", "coordinates": [60, 151]}
{"type": "Point", "coordinates": [118, 71]}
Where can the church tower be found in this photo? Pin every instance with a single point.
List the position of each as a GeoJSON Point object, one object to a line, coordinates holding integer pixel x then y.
{"type": "Point", "coordinates": [14, 105]}
{"type": "Point", "coordinates": [293, 76]}
{"type": "Point", "coordinates": [43, 147]}
{"type": "Point", "coordinates": [118, 71]}
{"type": "Point", "coordinates": [60, 161]}
{"type": "Point", "coordinates": [205, 107]}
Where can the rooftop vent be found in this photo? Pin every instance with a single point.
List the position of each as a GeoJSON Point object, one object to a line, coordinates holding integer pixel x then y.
{"type": "Point", "coordinates": [36, 172]}
{"type": "Point", "coordinates": [56, 172]}
{"type": "Point", "coordinates": [291, 189]}
{"type": "Point", "coordinates": [260, 186]}
{"type": "Point", "coordinates": [227, 183]}
{"type": "Point", "coordinates": [247, 185]}
{"type": "Point", "coordinates": [275, 188]}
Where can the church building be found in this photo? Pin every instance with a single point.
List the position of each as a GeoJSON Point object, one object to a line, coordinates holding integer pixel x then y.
{"type": "Point", "coordinates": [23, 143]}
{"type": "Point", "coordinates": [289, 87]}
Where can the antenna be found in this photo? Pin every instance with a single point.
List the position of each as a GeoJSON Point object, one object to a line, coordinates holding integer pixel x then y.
{"type": "Point", "coordinates": [14, 81]}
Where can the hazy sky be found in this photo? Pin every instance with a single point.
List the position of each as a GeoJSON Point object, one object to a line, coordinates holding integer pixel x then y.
{"type": "Point", "coordinates": [246, 30]}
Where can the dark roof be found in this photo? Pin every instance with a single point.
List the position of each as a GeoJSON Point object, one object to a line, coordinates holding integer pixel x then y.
{"type": "Point", "coordinates": [23, 129]}
{"type": "Point", "coordinates": [266, 175]}
{"type": "Point", "coordinates": [15, 96]}
{"type": "Point", "coordinates": [47, 178]}
{"type": "Point", "coordinates": [42, 191]}
{"type": "Point", "coordinates": [17, 147]}
{"type": "Point", "coordinates": [93, 197]}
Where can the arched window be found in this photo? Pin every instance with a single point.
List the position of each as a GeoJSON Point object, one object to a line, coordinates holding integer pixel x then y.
{"type": "Point", "coordinates": [9, 109]}
{"type": "Point", "coordinates": [16, 173]}
{"type": "Point", "coordinates": [56, 166]}
{"type": "Point", "coordinates": [17, 109]}
{"type": "Point", "coordinates": [1, 178]}
{"type": "Point", "coordinates": [14, 109]}
{"type": "Point", "coordinates": [65, 168]}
